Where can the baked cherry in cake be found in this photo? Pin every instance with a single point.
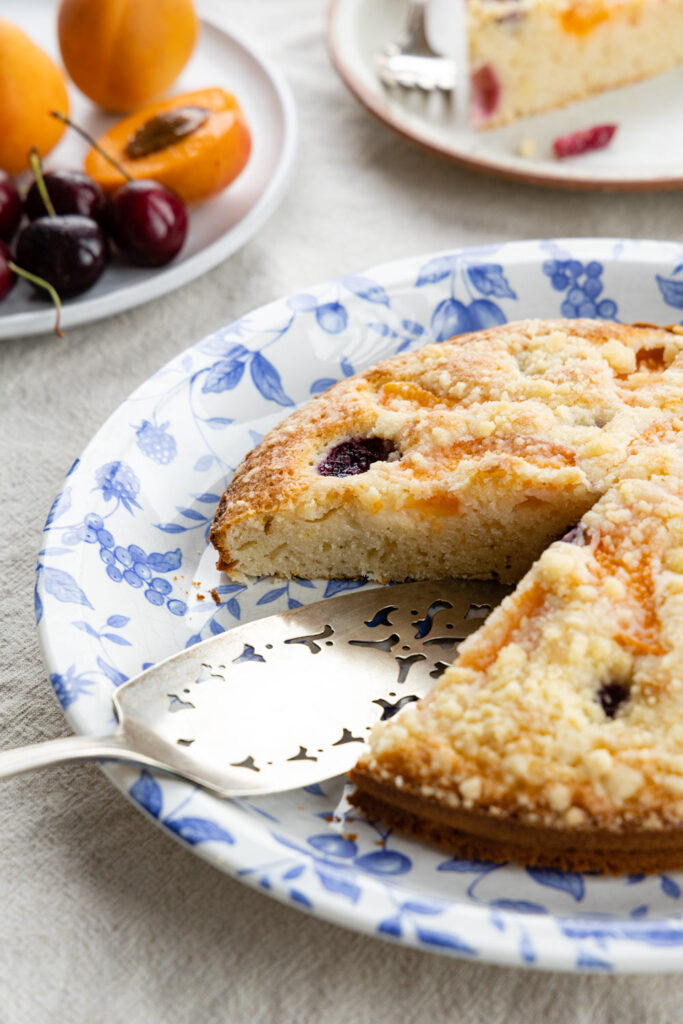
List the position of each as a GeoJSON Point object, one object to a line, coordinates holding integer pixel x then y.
{"type": "Point", "coordinates": [611, 697]}
{"type": "Point", "coordinates": [348, 458]}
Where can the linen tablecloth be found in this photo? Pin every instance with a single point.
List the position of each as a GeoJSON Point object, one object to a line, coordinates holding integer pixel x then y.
{"type": "Point", "coordinates": [102, 917]}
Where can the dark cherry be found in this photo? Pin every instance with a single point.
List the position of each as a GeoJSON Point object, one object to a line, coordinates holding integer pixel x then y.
{"type": "Point", "coordinates": [355, 456]}
{"type": "Point", "coordinates": [148, 222]}
{"type": "Point", "coordinates": [10, 207]}
{"type": "Point", "coordinates": [611, 697]}
{"type": "Point", "coordinates": [70, 192]}
{"type": "Point", "coordinates": [7, 277]}
{"type": "Point", "coordinates": [70, 252]}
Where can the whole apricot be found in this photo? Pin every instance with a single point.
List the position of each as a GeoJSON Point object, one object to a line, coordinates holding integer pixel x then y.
{"type": "Point", "coordinates": [123, 53]}
{"type": "Point", "coordinates": [31, 85]}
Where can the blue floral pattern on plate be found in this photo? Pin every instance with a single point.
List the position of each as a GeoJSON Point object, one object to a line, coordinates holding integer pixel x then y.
{"type": "Point", "coordinates": [125, 578]}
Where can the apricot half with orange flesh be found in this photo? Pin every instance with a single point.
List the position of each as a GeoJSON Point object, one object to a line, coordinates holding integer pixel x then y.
{"type": "Point", "coordinates": [195, 144]}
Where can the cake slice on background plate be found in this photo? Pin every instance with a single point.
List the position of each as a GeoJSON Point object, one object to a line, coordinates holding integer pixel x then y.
{"type": "Point", "coordinates": [531, 56]}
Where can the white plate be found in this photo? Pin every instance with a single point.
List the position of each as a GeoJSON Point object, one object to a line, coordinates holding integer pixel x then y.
{"type": "Point", "coordinates": [219, 226]}
{"type": "Point", "coordinates": [646, 153]}
{"type": "Point", "coordinates": [125, 557]}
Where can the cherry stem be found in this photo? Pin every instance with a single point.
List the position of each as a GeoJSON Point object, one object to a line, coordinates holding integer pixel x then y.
{"type": "Point", "coordinates": [42, 283]}
{"type": "Point", "coordinates": [95, 145]}
{"type": "Point", "coordinates": [34, 161]}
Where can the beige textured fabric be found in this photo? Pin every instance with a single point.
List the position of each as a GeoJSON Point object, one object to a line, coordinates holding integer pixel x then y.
{"type": "Point", "coordinates": [102, 917]}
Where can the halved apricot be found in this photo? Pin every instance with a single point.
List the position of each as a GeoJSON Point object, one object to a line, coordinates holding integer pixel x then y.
{"type": "Point", "coordinates": [195, 144]}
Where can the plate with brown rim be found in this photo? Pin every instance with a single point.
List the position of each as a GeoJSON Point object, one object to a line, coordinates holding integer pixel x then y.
{"type": "Point", "coordinates": [646, 152]}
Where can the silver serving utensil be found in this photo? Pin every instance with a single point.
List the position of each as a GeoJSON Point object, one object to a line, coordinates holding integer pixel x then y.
{"type": "Point", "coordinates": [283, 701]}
{"type": "Point", "coordinates": [411, 62]}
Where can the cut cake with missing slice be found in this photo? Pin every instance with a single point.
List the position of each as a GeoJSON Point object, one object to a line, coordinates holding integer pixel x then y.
{"type": "Point", "coordinates": [556, 737]}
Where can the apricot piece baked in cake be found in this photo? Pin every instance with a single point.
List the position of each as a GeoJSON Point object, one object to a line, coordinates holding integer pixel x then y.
{"type": "Point", "coordinates": [530, 56]}
{"type": "Point", "coordinates": [556, 737]}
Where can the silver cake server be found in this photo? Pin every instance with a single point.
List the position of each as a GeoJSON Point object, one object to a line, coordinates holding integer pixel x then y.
{"type": "Point", "coordinates": [286, 700]}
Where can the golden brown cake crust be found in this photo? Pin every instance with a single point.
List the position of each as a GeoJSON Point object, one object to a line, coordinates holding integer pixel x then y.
{"type": "Point", "coordinates": [480, 836]}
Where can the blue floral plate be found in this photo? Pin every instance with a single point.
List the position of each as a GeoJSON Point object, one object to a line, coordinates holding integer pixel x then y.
{"type": "Point", "coordinates": [125, 578]}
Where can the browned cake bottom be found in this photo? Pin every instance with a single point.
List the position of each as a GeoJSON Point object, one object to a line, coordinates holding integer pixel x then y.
{"type": "Point", "coordinates": [475, 835]}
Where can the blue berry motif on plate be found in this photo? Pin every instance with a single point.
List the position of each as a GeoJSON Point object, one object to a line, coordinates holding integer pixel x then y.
{"type": "Point", "coordinates": [452, 315]}
{"type": "Point", "coordinates": [140, 570]}
{"type": "Point", "coordinates": [583, 287]}
{"type": "Point", "coordinates": [156, 442]}
{"type": "Point", "coordinates": [131, 564]}
{"type": "Point", "coordinates": [118, 482]}
{"type": "Point", "coordinates": [672, 287]}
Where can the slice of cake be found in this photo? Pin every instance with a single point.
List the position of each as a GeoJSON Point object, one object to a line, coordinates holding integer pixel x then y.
{"type": "Point", "coordinates": [556, 738]}
{"type": "Point", "coordinates": [530, 56]}
{"type": "Point", "coordinates": [462, 459]}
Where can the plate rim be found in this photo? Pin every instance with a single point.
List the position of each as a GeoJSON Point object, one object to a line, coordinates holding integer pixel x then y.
{"type": "Point", "coordinates": [492, 168]}
{"type": "Point", "coordinates": [648, 959]}
{"type": "Point", "coordinates": [16, 326]}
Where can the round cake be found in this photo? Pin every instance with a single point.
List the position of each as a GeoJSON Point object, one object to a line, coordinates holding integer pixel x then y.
{"type": "Point", "coordinates": [556, 737]}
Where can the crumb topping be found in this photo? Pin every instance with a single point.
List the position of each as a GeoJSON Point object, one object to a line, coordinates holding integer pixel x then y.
{"type": "Point", "coordinates": [566, 708]}
{"type": "Point", "coordinates": [533, 402]}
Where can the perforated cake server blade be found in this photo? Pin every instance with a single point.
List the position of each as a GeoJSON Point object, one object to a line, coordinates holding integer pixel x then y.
{"type": "Point", "coordinates": [286, 700]}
